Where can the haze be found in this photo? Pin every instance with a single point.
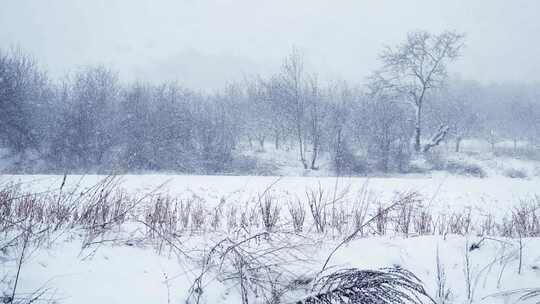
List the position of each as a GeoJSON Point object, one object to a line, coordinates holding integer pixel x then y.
{"type": "Point", "coordinates": [205, 44]}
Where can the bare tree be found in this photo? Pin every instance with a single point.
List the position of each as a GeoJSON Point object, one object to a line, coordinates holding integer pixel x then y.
{"type": "Point", "coordinates": [415, 67]}
{"type": "Point", "coordinates": [24, 96]}
{"type": "Point", "coordinates": [259, 116]}
{"type": "Point", "coordinates": [339, 126]}
{"type": "Point", "coordinates": [388, 130]}
{"type": "Point", "coordinates": [455, 107]}
{"type": "Point", "coordinates": [280, 126]}
{"type": "Point", "coordinates": [89, 124]}
{"type": "Point", "coordinates": [315, 119]}
{"type": "Point", "coordinates": [136, 126]}
{"type": "Point", "coordinates": [518, 119]}
{"type": "Point", "coordinates": [173, 127]}
{"type": "Point", "coordinates": [293, 83]}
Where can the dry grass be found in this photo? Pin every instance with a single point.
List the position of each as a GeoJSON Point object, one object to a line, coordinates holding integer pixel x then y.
{"type": "Point", "coordinates": [98, 209]}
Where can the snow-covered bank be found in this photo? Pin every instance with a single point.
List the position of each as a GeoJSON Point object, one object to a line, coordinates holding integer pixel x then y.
{"type": "Point", "coordinates": [120, 273]}
{"type": "Point", "coordinates": [148, 238]}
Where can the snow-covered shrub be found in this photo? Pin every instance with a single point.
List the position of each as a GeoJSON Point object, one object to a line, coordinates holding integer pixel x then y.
{"type": "Point", "coordinates": [459, 222]}
{"type": "Point", "coordinates": [360, 211]}
{"type": "Point", "coordinates": [464, 168]}
{"type": "Point", "coordinates": [270, 212]}
{"type": "Point", "coordinates": [435, 159]}
{"type": "Point", "coordinates": [526, 218]}
{"type": "Point", "coordinates": [345, 162]}
{"type": "Point", "coordinates": [404, 219]}
{"type": "Point", "coordinates": [231, 215]}
{"type": "Point", "coordinates": [298, 215]}
{"type": "Point", "coordinates": [515, 173]}
{"type": "Point", "coordinates": [318, 207]}
{"type": "Point", "coordinates": [339, 220]}
{"type": "Point", "coordinates": [487, 226]}
{"type": "Point", "coordinates": [257, 264]}
{"type": "Point", "coordinates": [385, 286]}
{"type": "Point", "coordinates": [536, 171]}
{"type": "Point", "coordinates": [250, 165]}
{"type": "Point", "coordinates": [382, 219]}
{"type": "Point", "coordinates": [198, 216]}
{"type": "Point", "coordinates": [423, 221]}
{"type": "Point", "coordinates": [160, 217]}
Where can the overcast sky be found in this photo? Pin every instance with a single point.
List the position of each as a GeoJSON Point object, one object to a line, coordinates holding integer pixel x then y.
{"type": "Point", "coordinates": [207, 43]}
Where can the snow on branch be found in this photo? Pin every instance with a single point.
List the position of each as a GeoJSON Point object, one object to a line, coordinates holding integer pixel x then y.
{"type": "Point", "coordinates": [437, 138]}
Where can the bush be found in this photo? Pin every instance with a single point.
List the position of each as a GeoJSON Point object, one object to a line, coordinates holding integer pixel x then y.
{"type": "Point", "coordinates": [515, 173]}
{"type": "Point", "coordinates": [455, 166]}
{"type": "Point", "coordinates": [436, 159]}
{"type": "Point", "coordinates": [466, 169]}
{"type": "Point", "coordinates": [346, 162]}
{"type": "Point", "coordinates": [387, 285]}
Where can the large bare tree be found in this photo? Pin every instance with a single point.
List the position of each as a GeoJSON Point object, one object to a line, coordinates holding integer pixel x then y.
{"type": "Point", "coordinates": [413, 68]}
{"type": "Point", "coordinates": [303, 99]}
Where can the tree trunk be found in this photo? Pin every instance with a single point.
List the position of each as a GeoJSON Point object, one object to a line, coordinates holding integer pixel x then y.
{"type": "Point", "coordinates": [385, 156]}
{"type": "Point", "coordinates": [400, 154]}
{"type": "Point", "coordinates": [492, 140]}
{"type": "Point", "coordinates": [458, 142]}
{"type": "Point", "coordinates": [418, 129]}
{"type": "Point", "coordinates": [314, 155]}
{"type": "Point", "coordinates": [276, 140]}
{"type": "Point", "coordinates": [261, 143]}
{"type": "Point", "coordinates": [338, 154]}
{"type": "Point", "coordinates": [301, 146]}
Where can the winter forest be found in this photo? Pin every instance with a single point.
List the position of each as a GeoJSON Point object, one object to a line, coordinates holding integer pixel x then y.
{"type": "Point", "coordinates": [269, 152]}
{"type": "Point", "coordinates": [92, 121]}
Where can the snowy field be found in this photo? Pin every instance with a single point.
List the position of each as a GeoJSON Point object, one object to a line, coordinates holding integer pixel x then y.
{"type": "Point", "coordinates": [348, 152]}
{"type": "Point", "coordinates": [495, 194]}
{"type": "Point", "coordinates": [123, 266]}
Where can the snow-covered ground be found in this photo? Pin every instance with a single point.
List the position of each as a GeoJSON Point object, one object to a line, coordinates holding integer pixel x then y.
{"type": "Point", "coordinates": [125, 269]}
{"type": "Point", "coordinates": [134, 274]}
{"type": "Point", "coordinates": [495, 194]}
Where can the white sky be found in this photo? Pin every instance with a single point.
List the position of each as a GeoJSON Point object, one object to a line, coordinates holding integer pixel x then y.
{"type": "Point", "coordinates": [207, 43]}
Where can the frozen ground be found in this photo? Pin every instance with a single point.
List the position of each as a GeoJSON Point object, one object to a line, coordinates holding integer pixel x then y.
{"type": "Point", "coordinates": [126, 269]}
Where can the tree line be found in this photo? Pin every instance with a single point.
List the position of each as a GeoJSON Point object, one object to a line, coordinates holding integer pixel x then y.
{"type": "Point", "coordinates": [92, 121]}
